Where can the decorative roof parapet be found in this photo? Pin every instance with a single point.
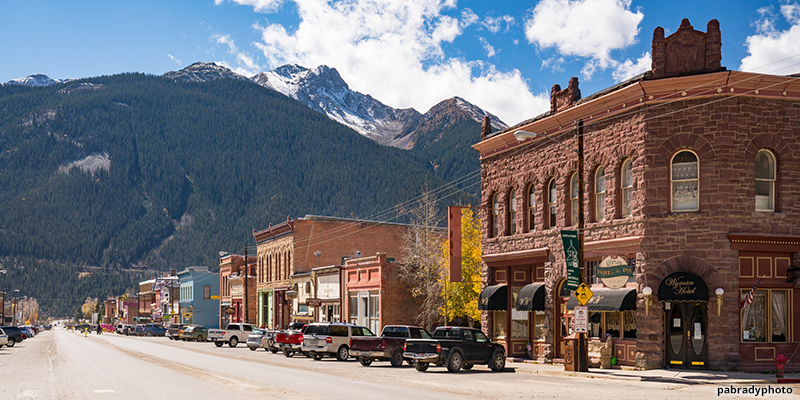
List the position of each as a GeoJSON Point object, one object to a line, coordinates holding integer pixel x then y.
{"type": "Point", "coordinates": [687, 51]}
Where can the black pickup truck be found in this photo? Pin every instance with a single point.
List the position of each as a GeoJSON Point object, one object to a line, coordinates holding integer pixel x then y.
{"type": "Point", "coordinates": [457, 348]}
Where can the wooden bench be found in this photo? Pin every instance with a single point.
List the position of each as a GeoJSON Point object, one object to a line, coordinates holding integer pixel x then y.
{"type": "Point", "coordinates": [600, 353]}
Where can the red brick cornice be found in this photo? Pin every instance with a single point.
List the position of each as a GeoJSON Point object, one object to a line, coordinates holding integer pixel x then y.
{"type": "Point", "coordinates": [517, 257]}
{"type": "Point", "coordinates": [764, 242]}
{"type": "Point", "coordinates": [621, 246]}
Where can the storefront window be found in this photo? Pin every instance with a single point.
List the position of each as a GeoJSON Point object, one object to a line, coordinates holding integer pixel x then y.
{"type": "Point", "coordinates": [595, 324]}
{"type": "Point", "coordinates": [354, 309]}
{"type": "Point", "coordinates": [613, 324]}
{"type": "Point", "coordinates": [374, 314]}
{"type": "Point", "coordinates": [499, 324]}
{"type": "Point", "coordinates": [539, 326]}
{"type": "Point", "coordinates": [772, 304]}
{"type": "Point", "coordinates": [629, 325]}
{"type": "Point", "coordinates": [519, 319]}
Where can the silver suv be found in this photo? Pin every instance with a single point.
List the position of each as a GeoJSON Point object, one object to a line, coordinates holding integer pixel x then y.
{"type": "Point", "coordinates": [331, 339]}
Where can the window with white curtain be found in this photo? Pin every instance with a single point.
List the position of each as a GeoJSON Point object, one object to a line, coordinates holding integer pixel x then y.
{"type": "Point", "coordinates": [512, 212]}
{"type": "Point", "coordinates": [573, 197]}
{"type": "Point", "coordinates": [600, 194]}
{"type": "Point", "coordinates": [766, 318]}
{"type": "Point", "coordinates": [552, 203]}
{"type": "Point", "coordinates": [685, 182]}
{"type": "Point", "coordinates": [765, 181]}
{"type": "Point", "coordinates": [626, 184]}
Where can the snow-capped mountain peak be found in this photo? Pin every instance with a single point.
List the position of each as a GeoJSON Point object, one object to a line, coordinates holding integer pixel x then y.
{"type": "Point", "coordinates": [203, 72]}
{"type": "Point", "coordinates": [36, 80]}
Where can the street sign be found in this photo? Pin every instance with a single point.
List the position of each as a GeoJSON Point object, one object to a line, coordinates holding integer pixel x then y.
{"type": "Point", "coordinates": [581, 317]}
{"type": "Point", "coordinates": [583, 294]}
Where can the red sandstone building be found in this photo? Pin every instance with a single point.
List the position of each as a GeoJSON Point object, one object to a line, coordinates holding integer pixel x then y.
{"type": "Point", "coordinates": [376, 294]}
{"type": "Point", "coordinates": [690, 177]}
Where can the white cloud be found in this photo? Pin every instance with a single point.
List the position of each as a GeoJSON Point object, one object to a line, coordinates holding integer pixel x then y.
{"type": "Point", "coordinates": [488, 48]}
{"type": "Point", "coordinates": [771, 50]}
{"type": "Point", "coordinates": [629, 69]}
{"type": "Point", "coordinates": [584, 28]}
{"type": "Point", "coordinates": [245, 64]}
{"type": "Point", "coordinates": [258, 5]}
{"type": "Point", "coordinates": [175, 59]}
{"type": "Point", "coordinates": [495, 24]}
{"type": "Point", "coordinates": [392, 50]}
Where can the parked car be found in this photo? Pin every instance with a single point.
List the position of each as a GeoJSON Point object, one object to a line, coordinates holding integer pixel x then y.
{"type": "Point", "coordinates": [197, 333]}
{"type": "Point", "coordinates": [3, 338]}
{"type": "Point", "coordinates": [331, 338]}
{"type": "Point", "coordinates": [457, 348]}
{"type": "Point", "coordinates": [173, 332]}
{"type": "Point", "coordinates": [153, 330]}
{"type": "Point", "coordinates": [386, 347]}
{"type": "Point", "coordinates": [290, 341]}
{"type": "Point", "coordinates": [254, 339]}
{"type": "Point", "coordinates": [108, 327]}
{"type": "Point", "coordinates": [14, 335]}
{"type": "Point", "coordinates": [232, 334]}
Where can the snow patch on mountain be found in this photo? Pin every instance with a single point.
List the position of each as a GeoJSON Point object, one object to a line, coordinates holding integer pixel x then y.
{"type": "Point", "coordinates": [91, 164]}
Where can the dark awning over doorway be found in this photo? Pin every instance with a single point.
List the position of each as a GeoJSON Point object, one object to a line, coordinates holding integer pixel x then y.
{"type": "Point", "coordinates": [531, 298]}
{"type": "Point", "coordinates": [494, 298]}
{"type": "Point", "coordinates": [605, 299]}
{"type": "Point", "coordinates": [682, 286]}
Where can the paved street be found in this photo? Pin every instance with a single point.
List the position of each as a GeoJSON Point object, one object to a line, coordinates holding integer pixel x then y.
{"type": "Point", "coordinates": [60, 364]}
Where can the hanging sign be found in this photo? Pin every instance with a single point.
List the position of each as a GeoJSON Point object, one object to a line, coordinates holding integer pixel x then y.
{"type": "Point", "coordinates": [571, 247]}
{"type": "Point", "coordinates": [614, 271]}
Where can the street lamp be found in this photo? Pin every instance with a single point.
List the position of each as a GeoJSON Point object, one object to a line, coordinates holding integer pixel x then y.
{"type": "Point", "coordinates": [523, 135]}
{"type": "Point", "coordinates": [14, 307]}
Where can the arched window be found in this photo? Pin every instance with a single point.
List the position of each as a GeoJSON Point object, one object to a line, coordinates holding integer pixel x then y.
{"type": "Point", "coordinates": [599, 194]}
{"type": "Point", "coordinates": [551, 203]}
{"type": "Point", "coordinates": [626, 184]}
{"type": "Point", "coordinates": [573, 197]}
{"type": "Point", "coordinates": [512, 212]}
{"type": "Point", "coordinates": [765, 181]}
{"type": "Point", "coordinates": [495, 215]}
{"type": "Point", "coordinates": [531, 205]}
{"type": "Point", "coordinates": [685, 181]}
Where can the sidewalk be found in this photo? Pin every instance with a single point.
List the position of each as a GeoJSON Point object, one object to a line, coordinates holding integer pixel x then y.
{"type": "Point", "coordinates": [682, 376]}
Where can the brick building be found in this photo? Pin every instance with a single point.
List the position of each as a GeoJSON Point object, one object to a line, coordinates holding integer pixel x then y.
{"type": "Point", "coordinates": [689, 178]}
{"type": "Point", "coordinates": [376, 296]}
{"type": "Point", "coordinates": [297, 246]}
{"type": "Point", "coordinates": [232, 280]}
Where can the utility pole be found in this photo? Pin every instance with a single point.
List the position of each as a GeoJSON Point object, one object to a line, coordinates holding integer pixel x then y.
{"type": "Point", "coordinates": [583, 355]}
{"type": "Point", "coordinates": [244, 283]}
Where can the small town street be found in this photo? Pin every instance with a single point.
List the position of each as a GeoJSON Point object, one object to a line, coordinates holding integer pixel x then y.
{"type": "Point", "coordinates": [61, 364]}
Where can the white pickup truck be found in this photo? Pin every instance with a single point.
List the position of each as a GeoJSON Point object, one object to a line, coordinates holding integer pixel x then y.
{"type": "Point", "coordinates": [232, 334]}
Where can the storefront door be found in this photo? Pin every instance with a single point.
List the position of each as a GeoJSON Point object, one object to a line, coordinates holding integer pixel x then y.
{"type": "Point", "coordinates": [686, 334]}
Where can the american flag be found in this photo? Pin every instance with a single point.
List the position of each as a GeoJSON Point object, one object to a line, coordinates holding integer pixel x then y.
{"type": "Point", "coordinates": [749, 297]}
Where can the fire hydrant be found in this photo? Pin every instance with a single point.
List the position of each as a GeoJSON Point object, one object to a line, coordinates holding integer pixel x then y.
{"type": "Point", "coordinates": [780, 362]}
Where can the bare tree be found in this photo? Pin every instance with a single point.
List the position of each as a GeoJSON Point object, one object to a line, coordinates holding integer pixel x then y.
{"type": "Point", "coordinates": [423, 259]}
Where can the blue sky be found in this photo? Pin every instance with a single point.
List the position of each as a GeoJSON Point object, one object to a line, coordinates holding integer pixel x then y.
{"type": "Point", "coordinates": [501, 56]}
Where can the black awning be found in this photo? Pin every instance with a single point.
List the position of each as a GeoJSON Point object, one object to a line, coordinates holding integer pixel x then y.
{"type": "Point", "coordinates": [605, 299]}
{"type": "Point", "coordinates": [682, 286]}
{"type": "Point", "coordinates": [494, 298]}
{"type": "Point", "coordinates": [531, 298]}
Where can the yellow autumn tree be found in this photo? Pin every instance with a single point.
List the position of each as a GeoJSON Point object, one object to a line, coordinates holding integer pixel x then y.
{"type": "Point", "coordinates": [462, 297]}
{"type": "Point", "coordinates": [88, 307]}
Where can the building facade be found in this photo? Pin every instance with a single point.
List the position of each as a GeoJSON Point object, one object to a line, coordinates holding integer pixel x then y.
{"type": "Point", "coordinates": [376, 294]}
{"type": "Point", "coordinates": [199, 293]}
{"type": "Point", "coordinates": [688, 174]}
{"type": "Point", "coordinates": [233, 279]}
{"type": "Point", "coordinates": [297, 246]}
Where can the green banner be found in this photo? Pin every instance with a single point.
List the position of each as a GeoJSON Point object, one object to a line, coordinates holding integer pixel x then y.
{"type": "Point", "coordinates": [571, 247]}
